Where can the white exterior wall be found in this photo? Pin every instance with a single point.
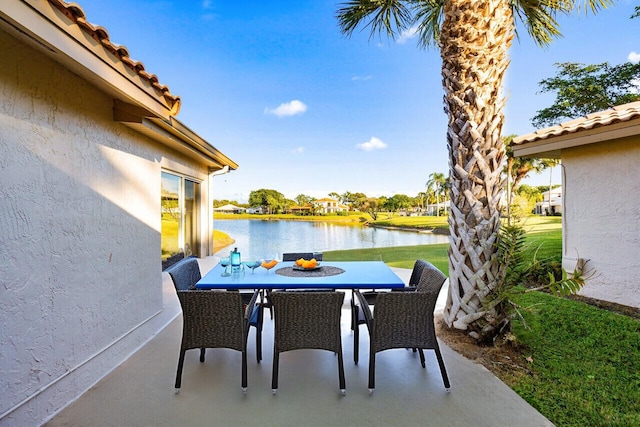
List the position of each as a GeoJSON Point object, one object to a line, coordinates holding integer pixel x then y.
{"type": "Point", "coordinates": [601, 219]}
{"type": "Point", "coordinates": [81, 281]}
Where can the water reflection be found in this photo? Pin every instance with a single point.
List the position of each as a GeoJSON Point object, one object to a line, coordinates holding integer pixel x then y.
{"type": "Point", "coordinates": [257, 239]}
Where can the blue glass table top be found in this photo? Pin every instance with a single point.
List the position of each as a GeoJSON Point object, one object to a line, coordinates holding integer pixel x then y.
{"type": "Point", "coordinates": [357, 274]}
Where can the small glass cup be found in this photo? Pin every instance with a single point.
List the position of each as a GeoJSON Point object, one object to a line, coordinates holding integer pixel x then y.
{"type": "Point", "coordinates": [268, 264]}
{"type": "Point", "coordinates": [253, 265]}
{"type": "Point", "coordinates": [225, 262]}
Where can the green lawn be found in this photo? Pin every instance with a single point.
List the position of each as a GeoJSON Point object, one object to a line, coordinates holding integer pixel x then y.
{"type": "Point", "coordinates": [585, 361]}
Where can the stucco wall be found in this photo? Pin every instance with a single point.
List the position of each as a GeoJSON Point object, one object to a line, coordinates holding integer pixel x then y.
{"type": "Point", "coordinates": [602, 217]}
{"type": "Point", "coordinates": [79, 235]}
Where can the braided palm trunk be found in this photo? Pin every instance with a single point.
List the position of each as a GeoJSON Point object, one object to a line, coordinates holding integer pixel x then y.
{"type": "Point", "coordinates": [476, 36]}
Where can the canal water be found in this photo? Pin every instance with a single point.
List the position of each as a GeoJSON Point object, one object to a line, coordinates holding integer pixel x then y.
{"type": "Point", "coordinates": [257, 239]}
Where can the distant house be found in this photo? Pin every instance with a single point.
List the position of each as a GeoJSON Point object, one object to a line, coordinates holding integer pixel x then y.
{"type": "Point", "coordinates": [329, 206]}
{"type": "Point", "coordinates": [300, 210]}
{"type": "Point", "coordinates": [229, 208]}
{"type": "Point", "coordinates": [551, 203]}
{"type": "Point", "coordinates": [98, 179]}
{"type": "Point", "coordinates": [600, 154]}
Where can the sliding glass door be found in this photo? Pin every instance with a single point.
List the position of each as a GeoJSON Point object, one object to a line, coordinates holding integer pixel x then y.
{"type": "Point", "coordinates": [180, 219]}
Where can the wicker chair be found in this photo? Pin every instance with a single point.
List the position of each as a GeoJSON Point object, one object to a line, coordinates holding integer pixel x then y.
{"type": "Point", "coordinates": [214, 319]}
{"type": "Point", "coordinates": [293, 256]}
{"type": "Point", "coordinates": [404, 320]}
{"type": "Point", "coordinates": [186, 273]}
{"type": "Point", "coordinates": [433, 277]}
{"type": "Point", "coordinates": [265, 299]}
{"type": "Point", "coordinates": [307, 320]}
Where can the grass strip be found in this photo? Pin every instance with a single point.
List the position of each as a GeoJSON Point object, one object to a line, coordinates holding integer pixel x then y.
{"type": "Point", "coordinates": [584, 361]}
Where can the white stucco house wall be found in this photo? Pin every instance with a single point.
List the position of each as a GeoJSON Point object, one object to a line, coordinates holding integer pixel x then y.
{"type": "Point", "coordinates": [86, 133]}
{"type": "Point", "coordinates": [600, 154]}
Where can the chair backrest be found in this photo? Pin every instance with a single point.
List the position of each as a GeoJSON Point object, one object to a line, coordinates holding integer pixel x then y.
{"type": "Point", "coordinates": [307, 320]}
{"type": "Point", "coordinates": [403, 320]}
{"type": "Point", "coordinates": [431, 279]}
{"type": "Point", "coordinates": [293, 256]}
{"type": "Point", "coordinates": [212, 319]}
{"type": "Point", "coordinates": [418, 266]}
{"type": "Point", "coordinates": [185, 273]}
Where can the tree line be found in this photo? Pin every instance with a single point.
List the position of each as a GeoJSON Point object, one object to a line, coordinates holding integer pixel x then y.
{"type": "Point", "coordinates": [429, 202]}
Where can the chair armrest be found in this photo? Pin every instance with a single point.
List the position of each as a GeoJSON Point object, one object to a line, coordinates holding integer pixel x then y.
{"type": "Point", "coordinates": [248, 312]}
{"type": "Point", "coordinates": [364, 306]}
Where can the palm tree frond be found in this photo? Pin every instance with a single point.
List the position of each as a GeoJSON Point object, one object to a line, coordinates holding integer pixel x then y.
{"type": "Point", "coordinates": [596, 5]}
{"type": "Point", "coordinates": [429, 14]}
{"type": "Point", "coordinates": [380, 16]}
{"type": "Point", "coordinates": [539, 18]}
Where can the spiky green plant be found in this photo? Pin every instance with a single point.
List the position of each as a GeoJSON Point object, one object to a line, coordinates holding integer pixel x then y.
{"type": "Point", "coordinates": [514, 270]}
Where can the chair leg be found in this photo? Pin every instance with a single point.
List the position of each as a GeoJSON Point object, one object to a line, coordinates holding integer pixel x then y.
{"type": "Point", "coordinates": [274, 372]}
{"type": "Point", "coordinates": [356, 335]}
{"type": "Point", "coordinates": [179, 373]}
{"type": "Point", "coordinates": [244, 369]}
{"type": "Point", "coordinates": [343, 387]}
{"type": "Point", "coordinates": [422, 361]}
{"type": "Point", "coordinates": [372, 371]}
{"type": "Point", "coordinates": [202, 351]}
{"type": "Point", "coordinates": [259, 334]}
{"type": "Point", "coordinates": [443, 370]}
{"type": "Point", "coordinates": [353, 306]}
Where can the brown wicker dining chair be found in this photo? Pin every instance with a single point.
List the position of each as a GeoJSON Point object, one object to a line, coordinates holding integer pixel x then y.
{"type": "Point", "coordinates": [265, 298]}
{"type": "Point", "coordinates": [404, 320]}
{"type": "Point", "coordinates": [186, 273]}
{"type": "Point", "coordinates": [214, 319]}
{"type": "Point", "coordinates": [307, 320]}
{"type": "Point", "coordinates": [433, 277]}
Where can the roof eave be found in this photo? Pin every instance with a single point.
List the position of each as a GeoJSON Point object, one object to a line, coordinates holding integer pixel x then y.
{"type": "Point", "coordinates": [59, 30]}
{"type": "Point", "coordinates": [46, 27]}
{"type": "Point", "coordinates": [552, 146]}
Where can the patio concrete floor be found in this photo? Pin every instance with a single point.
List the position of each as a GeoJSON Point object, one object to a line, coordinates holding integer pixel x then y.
{"type": "Point", "coordinates": [140, 391]}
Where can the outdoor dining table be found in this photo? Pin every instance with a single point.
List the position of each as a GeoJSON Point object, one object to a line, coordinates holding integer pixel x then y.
{"type": "Point", "coordinates": [285, 275]}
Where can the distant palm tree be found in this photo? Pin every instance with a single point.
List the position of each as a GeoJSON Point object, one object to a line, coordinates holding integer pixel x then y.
{"type": "Point", "coordinates": [437, 183]}
{"type": "Point", "coordinates": [474, 37]}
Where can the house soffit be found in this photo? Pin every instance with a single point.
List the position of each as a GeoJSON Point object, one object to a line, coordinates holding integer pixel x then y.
{"type": "Point", "coordinates": [61, 31]}
{"type": "Point", "coordinates": [172, 133]}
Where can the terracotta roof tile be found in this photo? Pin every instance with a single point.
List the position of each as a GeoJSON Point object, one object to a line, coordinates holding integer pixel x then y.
{"type": "Point", "coordinates": [75, 13]}
{"type": "Point", "coordinates": [620, 113]}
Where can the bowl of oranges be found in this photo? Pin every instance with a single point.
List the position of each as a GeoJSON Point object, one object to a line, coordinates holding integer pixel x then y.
{"type": "Point", "coordinates": [303, 264]}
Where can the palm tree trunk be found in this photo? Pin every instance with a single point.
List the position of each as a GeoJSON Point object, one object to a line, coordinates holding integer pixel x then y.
{"type": "Point", "coordinates": [475, 39]}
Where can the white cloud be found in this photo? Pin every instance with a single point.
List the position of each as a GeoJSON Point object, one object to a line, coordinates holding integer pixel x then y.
{"type": "Point", "coordinates": [298, 150]}
{"type": "Point", "coordinates": [634, 57]}
{"type": "Point", "coordinates": [408, 34]}
{"type": "Point", "coordinates": [355, 78]}
{"type": "Point", "coordinates": [373, 144]}
{"type": "Point", "coordinates": [287, 109]}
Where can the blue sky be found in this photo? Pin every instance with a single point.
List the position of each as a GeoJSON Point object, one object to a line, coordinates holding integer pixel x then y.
{"type": "Point", "coordinates": [304, 110]}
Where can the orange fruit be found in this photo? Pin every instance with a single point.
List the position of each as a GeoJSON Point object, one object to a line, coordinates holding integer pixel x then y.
{"type": "Point", "coordinates": [300, 261]}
